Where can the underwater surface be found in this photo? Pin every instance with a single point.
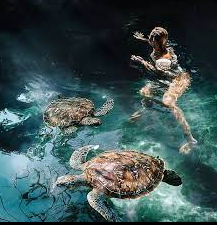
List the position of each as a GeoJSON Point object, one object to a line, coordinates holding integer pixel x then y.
{"type": "Point", "coordinates": [81, 48]}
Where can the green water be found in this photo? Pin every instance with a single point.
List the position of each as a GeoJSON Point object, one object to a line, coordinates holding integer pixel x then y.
{"type": "Point", "coordinates": [69, 57]}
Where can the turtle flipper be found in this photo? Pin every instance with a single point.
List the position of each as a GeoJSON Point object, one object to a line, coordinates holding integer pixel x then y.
{"type": "Point", "coordinates": [98, 202]}
{"type": "Point", "coordinates": [69, 130]}
{"type": "Point", "coordinates": [90, 121]}
{"type": "Point", "coordinates": [105, 109]}
{"type": "Point", "coordinates": [46, 132]}
{"type": "Point", "coordinates": [78, 158]}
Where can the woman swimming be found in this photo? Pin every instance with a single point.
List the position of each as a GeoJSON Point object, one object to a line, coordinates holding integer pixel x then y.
{"type": "Point", "coordinates": [166, 65]}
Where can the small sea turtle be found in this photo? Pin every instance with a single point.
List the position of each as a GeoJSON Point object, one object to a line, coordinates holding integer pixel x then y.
{"type": "Point", "coordinates": [68, 113]}
{"type": "Point", "coordinates": [114, 174]}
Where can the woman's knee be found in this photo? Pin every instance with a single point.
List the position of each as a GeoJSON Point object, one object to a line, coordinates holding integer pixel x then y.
{"type": "Point", "coordinates": [146, 91]}
{"type": "Point", "coordinates": [168, 101]}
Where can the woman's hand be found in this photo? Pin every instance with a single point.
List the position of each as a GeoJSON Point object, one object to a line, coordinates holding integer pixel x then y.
{"type": "Point", "coordinates": [146, 64]}
{"type": "Point", "coordinates": [137, 59]}
{"type": "Point", "coordinates": [139, 36]}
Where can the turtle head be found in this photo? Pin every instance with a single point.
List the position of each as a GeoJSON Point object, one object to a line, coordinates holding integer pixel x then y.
{"type": "Point", "coordinates": [172, 178]}
{"type": "Point", "coordinates": [66, 181]}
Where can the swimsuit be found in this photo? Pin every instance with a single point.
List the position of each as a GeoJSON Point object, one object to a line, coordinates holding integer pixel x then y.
{"type": "Point", "coordinates": [175, 68]}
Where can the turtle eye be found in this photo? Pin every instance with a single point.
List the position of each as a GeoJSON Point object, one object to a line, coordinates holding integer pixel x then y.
{"type": "Point", "coordinates": [66, 184]}
{"type": "Point", "coordinates": [59, 184]}
{"type": "Point", "coordinates": [69, 184]}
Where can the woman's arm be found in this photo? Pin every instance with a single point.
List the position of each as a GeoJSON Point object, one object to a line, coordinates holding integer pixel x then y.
{"type": "Point", "coordinates": [151, 67]}
{"type": "Point", "coordinates": [146, 64]}
{"type": "Point", "coordinates": [141, 37]}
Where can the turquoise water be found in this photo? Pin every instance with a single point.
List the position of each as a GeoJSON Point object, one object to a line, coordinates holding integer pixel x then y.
{"type": "Point", "coordinates": [69, 56]}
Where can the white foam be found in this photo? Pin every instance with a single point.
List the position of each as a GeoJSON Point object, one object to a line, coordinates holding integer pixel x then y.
{"type": "Point", "coordinates": [39, 96]}
{"type": "Point", "coordinates": [167, 201]}
{"type": "Point", "coordinates": [9, 119]}
{"type": "Point", "coordinates": [96, 147]}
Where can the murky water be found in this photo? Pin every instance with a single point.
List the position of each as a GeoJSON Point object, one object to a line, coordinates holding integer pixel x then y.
{"type": "Point", "coordinates": [77, 56]}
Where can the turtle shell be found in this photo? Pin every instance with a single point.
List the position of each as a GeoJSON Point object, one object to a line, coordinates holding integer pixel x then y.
{"type": "Point", "coordinates": [68, 111]}
{"type": "Point", "coordinates": [126, 174]}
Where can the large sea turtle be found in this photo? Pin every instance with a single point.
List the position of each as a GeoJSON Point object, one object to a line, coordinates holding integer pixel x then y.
{"type": "Point", "coordinates": [68, 113]}
{"type": "Point", "coordinates": [116, 174]}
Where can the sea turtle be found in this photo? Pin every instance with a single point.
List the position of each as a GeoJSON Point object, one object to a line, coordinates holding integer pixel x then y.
{"type": "Point", "coordinates": [116, 174]}
{"type": "Point", "coordinates": [68, 113]}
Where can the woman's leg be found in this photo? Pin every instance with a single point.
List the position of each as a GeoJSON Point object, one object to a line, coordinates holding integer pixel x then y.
{"type": "Point", "coordinates": [147, 93]}
{"type": "Point", "coordinates": [176, 90]}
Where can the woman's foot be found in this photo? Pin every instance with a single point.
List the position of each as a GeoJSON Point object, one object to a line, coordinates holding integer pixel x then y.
{"type": "Point", "coordinates": [137, 115]}
{"type": "Point", "coordinates": [194, 141]}
{"type": "Point", "coordinates": [188, 147]}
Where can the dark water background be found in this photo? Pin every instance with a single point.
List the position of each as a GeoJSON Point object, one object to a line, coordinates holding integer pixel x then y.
{"type": "Point", "coordinates": [82, 48]}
